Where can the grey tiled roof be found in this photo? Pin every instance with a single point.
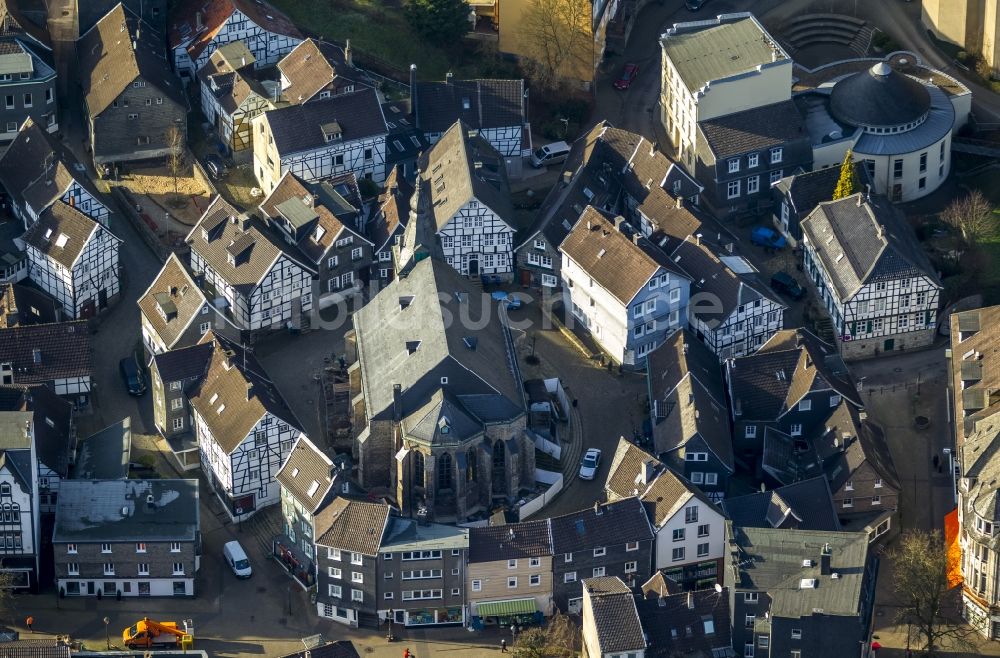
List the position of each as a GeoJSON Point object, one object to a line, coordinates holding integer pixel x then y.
{"type": "Point", "coordinates": [489, 389]}
{"type": "Point", "coordinates": [808, 189]}
{"type": "Point", "coordinates": [392, 210]}
{"type": "Point", "coordinates": [53, 421]}
{"type": "Point", "coordinates": [306, 474]}
{"type": "Point", "coordinates": [91, 511]}
{"type": "Point", "coordinates": [770, 560]}
{"type": "Point", "coordinates": [31, 305]}
{"type": "Point", "coordinates": [610, 524]}
{"type": "Point", "coordinates": [480, 104]}
{"type": "Point", "coordinates": [450, 177]}
{"type": "Point", "coordinates": [510, 542]}
{"type": "Point", "coordinates": [185, 363]}
{"type": "Point", "coordinates": [879, 96]}
{"type": "Point", "coordinates": [14, 24]}
{"type": "Point", "coordinates": [259, 248]}
{"type": "Point", "coordinates": [754, 130]}
{"type": "Point", "coordinates": [667, 494]}
{"type": "Point", "coordinates": [59, 220]}
{"type": "Point", "coordinates": [105, 455]}
{"type": "Point", "coordinates": [65, 351]}
{"type": "Point", "coordinates": [806, 505]}
{"type": "Point", "coordinates": [861, 241]}
{"type": "Point", "coordinates": [244, 393]}
{"type": "Point", "coordinates": [687, 624]}
{"type": "Point", "coordinates": [352, 525]}
{"type": "Point", "coordinates": [109, 63]}
{"type": "Point", "coordinates": [297, 128]}
{"type": "Point", "coordinates": [789, 365]}
{"type": "Point", "coordinates": [615, 617]}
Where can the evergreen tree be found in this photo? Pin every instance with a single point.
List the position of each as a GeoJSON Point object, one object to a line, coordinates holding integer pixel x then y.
{"type": "Point", "coordinates": [443, 22]}
{"type": "Point", "coordinates": [848, 182]}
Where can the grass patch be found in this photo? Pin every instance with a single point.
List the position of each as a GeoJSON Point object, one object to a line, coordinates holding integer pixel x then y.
{"type": "Point", "coordinates": [375, 30]}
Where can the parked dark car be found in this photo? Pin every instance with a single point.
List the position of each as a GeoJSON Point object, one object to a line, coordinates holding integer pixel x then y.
{"type": "Point", "coordinates": [132, 375]}
{"type": "Point", "coordinates": [215, 167]}
{"type": "Point", "coordinates": [784, 283]}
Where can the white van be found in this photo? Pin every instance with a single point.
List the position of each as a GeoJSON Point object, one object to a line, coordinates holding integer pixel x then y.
{"type": "Point", "coordinates": [550, 154]}
{"type": "Point", "coordinates": [237, 559]}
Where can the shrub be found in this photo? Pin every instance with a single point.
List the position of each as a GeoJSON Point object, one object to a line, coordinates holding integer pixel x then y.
{"type": "Point", "coordinates": [962, 56]}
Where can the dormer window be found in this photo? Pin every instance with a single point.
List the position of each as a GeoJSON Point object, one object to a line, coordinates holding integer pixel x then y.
{"type": "Point", "coordinates": [231, 258]}
{"type": "Point", "coordinates": [332, 131]}
{"type": "Point", "coordinates": [319, 233]}
{"type": "Point", "coordinates": [984, 527]}
{"type": "Point", "coordinates": [412, 346]}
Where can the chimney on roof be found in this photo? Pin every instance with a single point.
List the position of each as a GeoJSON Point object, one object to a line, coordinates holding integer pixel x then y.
{"type": "Point", "coordinates": [647, 471]}
{"type": "Point", "coordinates": [597, 508]}
{"type": "Point", "coordinates": [397, 402]}
{"type": "Point", "coordinates": [680, 202]}
{"type": "Point", "coordinates": [697, 238]}
{"type": "Point", "coordinates": [690, 602]}
{"type": "Point", "coordinates": [636, 237]}
{"type": "Point", "coordinates": [868, 192]}
{"type": "Point", "coordinates": [348, 54]}
{"type": "Point", "coordinates": [197, 21]}
{"type": "Point", "coordinates": [619, 223]}
{"type": "Point", "coordinates": [824, 560]}
{"type": "Point", "coordinates": [249, 391]}
{"type": "Point", "coordinates": [413, 94]}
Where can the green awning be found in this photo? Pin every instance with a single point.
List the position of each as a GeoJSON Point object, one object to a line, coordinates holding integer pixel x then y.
{"type": "Point", "coordinates": [506, 608]}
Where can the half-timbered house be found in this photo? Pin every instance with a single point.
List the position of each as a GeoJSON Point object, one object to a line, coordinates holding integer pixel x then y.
{"type": "Point", "coordinates": [231, 96]}
{"type": "Point", "coordinates": [21, 530]}
{"type": "Point", "coordinates": [244, 429]}
{"type": "Point", "coordinates": [74, 259]}
{"type": "Point", "coordinates": [132, 98]}
{"type": "Point", "coordinates": [36, 171]}
{"type": "Point", "coordinates": [246, 273]}
{"type": "Point", "coordinates": [321, 222]}
{"type": "Point", "coordinates": [316, 70]}
{"type": "Point", "coordinates": [386, 224]}
{"type": "Point", "coordinates": [57, 355]}
{"type": "Point", "coordinates": [626, 292]}
{"type": "Point", "coordinates": [496, 108]}
{"type": "Point", "coordinates": [872, 276]}
{"type": "Point", "coordinates": [321, 139]}
{"type": "Point", "coordinates": [199, 27]}
{"type": "Point", "coordinates": [440, 419]}
{"type": "Point", "coordinates": [731, 310]}
{"type": "Point", "coordinates": [613, 170]}
{"type": "Point", "coordinates": [689, 413]}
{"type": "Point", "coordinates": [173, 375]}
{"type": "Point", "coordinates": [175, 313]}
{"type": "Point", "coordinates": [462, 188]}
{"type": "Point", "coordinates": [28, 83]}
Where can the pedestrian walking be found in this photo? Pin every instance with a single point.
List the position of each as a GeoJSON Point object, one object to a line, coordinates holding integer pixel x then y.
{"type": "Point", "coordinates": [28, 622]}
{"type": "Point", "coordinates": [406, 653]}
{"type": "Point", "coordinates": [503, 646]}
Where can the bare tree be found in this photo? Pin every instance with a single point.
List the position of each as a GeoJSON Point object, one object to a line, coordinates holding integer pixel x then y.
{"type": "Point", "coordinates": [557, 40]}
{"type": "Point", "coordinates": [973, 215]}
{"type": "Point", "coordinates": [920, 569]}
{"type": "Point", "coordinates": [7, 582]}
{"type": "Point", "coordinates": [175, 154]}
{"type": "Point", "coordinates": [556, 639]}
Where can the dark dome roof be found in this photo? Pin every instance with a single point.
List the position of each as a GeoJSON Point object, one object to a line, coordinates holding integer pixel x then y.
{"type": "Point", "coordinates": [879, 96]}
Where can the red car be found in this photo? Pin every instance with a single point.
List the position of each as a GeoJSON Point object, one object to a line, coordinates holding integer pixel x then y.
{"type": "Point", "coordinates": [628, 75]}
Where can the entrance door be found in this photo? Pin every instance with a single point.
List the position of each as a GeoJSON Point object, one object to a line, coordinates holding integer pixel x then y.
{"type": "Point", "coordinates": [473, 266]}
{"type": "Point", "coordinates": [890, 344]}
{"type": "Point", "coordinates": [90, 588]}
{"type": "Point", "coordinates": [102, 298]}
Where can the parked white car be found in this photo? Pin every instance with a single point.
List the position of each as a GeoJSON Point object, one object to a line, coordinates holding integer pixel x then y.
{"type": "Point", "coordinates": [588, 467]}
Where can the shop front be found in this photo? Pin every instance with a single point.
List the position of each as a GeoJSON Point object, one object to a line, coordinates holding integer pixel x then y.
{"type": "Point", "coordinates": [435, 616]}
{"type": "Point", "coordinates": [510, 612]}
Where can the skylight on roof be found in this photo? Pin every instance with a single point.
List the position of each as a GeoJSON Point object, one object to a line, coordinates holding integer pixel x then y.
{"type": "Point", "coordinates": [295, 472]}
{"type": "Point", "coordinates": [313, 488]}
{"type": "Point", "coordinates": [48, 233]}
{"type": "Point", "coordinates": [62, 240]}
{"type": "Point", "coordinates": [215, 396]}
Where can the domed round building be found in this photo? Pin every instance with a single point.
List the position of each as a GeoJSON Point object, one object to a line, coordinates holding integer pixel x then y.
{"type": "Point", "coordinates": [897, 117]}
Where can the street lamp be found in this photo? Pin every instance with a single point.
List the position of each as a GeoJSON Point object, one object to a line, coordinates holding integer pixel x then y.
{"type": "Point", "coordinates": [513, 634]}
{"type": "Point", "coordinates": [951, 465]}
{"type": "Point", "coordinates": [107, 632]}
{"type": "Point", "coordinates": [390, 636]}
